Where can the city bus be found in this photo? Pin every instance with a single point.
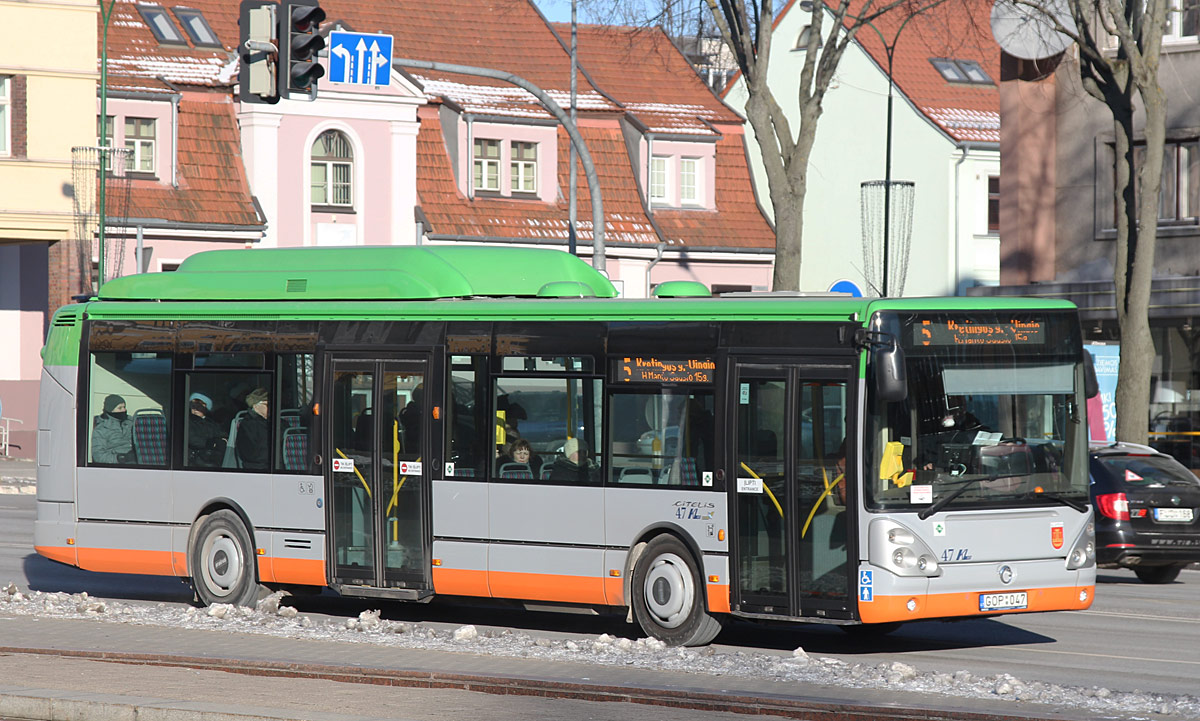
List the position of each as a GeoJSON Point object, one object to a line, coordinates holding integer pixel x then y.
{"type": "Point", "coordinates": [416, 422]}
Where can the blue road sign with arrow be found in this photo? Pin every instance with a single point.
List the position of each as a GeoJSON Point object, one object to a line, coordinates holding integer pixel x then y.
{"type": "Point", "coordinates": [360, 58]}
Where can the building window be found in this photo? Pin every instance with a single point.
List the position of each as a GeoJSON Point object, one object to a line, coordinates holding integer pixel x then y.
{"type": "Point", "coordinates": [689, 181]}
{"type": "Point", "coordinates": [524, 167]}
{"type": "Point", "coordinates": [658, 178]}
{"type": "Point", "coordinates": [961, 71]}
{"type": "Point", "coordinates": [160, 24]}
{"type": "Point", "coordinates": [1180, 198]}
{"type": "Point", "coordinates": [993, 204]}
{"type": "Point", "coordinates": [332, 170]}
{"type": "Point", "coordinates": [803, 38]}
{"type": "Point", "coordinates": [5, 115]}
{"type": "Point", "coordinates": [197, 28]}
{"type": "Point", "coordinates": [105, 131]}
{"type": "Point", "coordinates": [1183, 20]}
{"type": "Point", "coordinates": [139, 139]}
{"type": "Point", "coordinates": [487, 165]}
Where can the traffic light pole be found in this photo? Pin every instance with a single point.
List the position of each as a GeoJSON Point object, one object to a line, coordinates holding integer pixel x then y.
{"type": "Point", "coordinates": [106, 14]}
{"type": "Point", "coordinates": [585, 158]}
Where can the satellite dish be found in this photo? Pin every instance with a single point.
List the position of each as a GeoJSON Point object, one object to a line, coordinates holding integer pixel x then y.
{"type": "Point", "coordinates": [1029, 32]}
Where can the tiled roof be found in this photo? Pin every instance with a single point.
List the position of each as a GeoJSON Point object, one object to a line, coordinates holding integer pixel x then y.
{"type": "Point", "coordinates": [212, 181]}
{"type": "Point", "coordinates": [665, 94]}
{"type": "Point", "coordinates": [737, 223]}
{"type": "Point", "coordinates": [137, 59]}
{"type": "Point", "coordinates": [452, 214]}
{"type": "Point", "coordinates": [957, 30]}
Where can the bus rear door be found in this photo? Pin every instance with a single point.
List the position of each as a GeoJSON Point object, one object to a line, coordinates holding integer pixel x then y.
{"type": "Point", "coordinates": [792, 547]}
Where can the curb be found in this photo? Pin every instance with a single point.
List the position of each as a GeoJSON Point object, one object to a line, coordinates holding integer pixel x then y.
{"type": "Point", "coordinates": [33, 705]}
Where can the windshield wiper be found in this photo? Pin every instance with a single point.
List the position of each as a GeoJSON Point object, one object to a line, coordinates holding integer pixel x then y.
{"type": "Point", "coordinates": [1082, 508]}
{"type": "Point", "coordinates": [940, 503]}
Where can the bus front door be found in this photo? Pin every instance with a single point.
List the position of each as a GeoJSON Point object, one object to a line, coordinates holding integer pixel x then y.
{"type": "Point", "coordinates": [791, 552]}
{"type": "Point", "coordinates": [377, 475]}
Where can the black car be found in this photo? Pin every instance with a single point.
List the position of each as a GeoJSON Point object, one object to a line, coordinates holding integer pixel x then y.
{"type": "Point", "coordinates": [1147, 511]}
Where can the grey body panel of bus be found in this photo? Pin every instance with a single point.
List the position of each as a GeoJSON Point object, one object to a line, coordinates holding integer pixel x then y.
{"type": "Point", "coordinates": [55, 521]}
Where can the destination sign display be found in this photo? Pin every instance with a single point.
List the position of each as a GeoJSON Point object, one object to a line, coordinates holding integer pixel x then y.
{"type": "Point", "coordinates": [652, 369]}
{"type": "Point", "coordinates": [963, 332]}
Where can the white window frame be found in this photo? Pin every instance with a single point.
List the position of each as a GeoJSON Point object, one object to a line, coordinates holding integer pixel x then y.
{"type": "Point", "coordinates": [1178, 189]}
{"type": "Point", "coordinates": [6, 116]}
{"type": "Point", "coordinates": [480, 164]}
{"type": "Point", "coordinates": [696, 187]}
{"type": "Point", "coordinates": [141, 148]}
{"type": "Point", "coordinates": [658, 184]}
{"type": "Point", "coordinates": [523, 169]}
{"type": "Point", "coordinates": [330, 185]}
{"type": "Point", "coordinates": [1173, 33]}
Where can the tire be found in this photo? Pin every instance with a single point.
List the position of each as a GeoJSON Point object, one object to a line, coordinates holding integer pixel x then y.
{"type": "Point", "coordinates": [1157, 574]}
{"type": "Point", "coordinates": [668, 597]}
{"type": "Point", "coordinates": [222, 561]}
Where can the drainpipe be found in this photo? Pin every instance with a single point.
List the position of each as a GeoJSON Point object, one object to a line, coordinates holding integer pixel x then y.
{"type": "Point", "coordinates": [661, 248]}
{"type": "Point", "coordinates": [174, 142]}
{"type": "Point", "coordinates": [966, 148]}
{"type": "Point", "coordinates": [140, 254]}
{"type": "Point", "coordinates": [649, 161]}
{"type": "Point", "coordinates": [470, 153]}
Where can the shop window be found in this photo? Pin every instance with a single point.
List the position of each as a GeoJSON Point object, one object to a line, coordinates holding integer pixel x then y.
{"type": "Point", "coordinates": [128, 407]}
{"type": "Point", "coordinates": [547, 429]}
{"type": "Point", "coordinates": [662, 437]}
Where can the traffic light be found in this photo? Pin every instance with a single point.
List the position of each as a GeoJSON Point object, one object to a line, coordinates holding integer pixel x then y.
{"type": "Point", "coordinates": [299, 44]}
{"type": "Point", "coordinates": [259, 67]}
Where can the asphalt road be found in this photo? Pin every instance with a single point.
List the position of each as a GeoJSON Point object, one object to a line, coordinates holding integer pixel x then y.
{"type": "Point", "coordinates": [1135, 636]}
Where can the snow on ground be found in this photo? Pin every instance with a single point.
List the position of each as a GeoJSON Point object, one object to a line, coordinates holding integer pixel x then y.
{"type": "Point", "coordinates": [275, 619]}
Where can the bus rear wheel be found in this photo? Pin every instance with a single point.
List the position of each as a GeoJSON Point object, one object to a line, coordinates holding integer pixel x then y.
{"type": "Point", "coordinates": [668, 599]}
{"type": "Point", "coordinates": [222, 561]}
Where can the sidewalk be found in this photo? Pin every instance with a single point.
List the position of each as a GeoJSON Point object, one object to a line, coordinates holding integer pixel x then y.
{"type": "Point", "coordinates": [17, 475]}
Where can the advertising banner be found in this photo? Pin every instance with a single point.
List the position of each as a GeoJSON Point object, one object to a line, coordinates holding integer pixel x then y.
{"type": "Point", "coordinates": [1102, 410]}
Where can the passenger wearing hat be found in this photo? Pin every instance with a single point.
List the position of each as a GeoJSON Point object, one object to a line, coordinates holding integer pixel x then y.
{"type": "Point", "coordinates": [573, 466]}
{"type": "Point", "coordinates": [112, 433]}
{"type": "Point", "coordinates": [253, 435]}
{"type": "Point", "coordinates": [206, 443]}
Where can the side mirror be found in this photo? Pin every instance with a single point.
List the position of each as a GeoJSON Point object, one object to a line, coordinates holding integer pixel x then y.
{"type": "Point", "coordinates": [891, 382]}
{"type": "Point", "coordinates": [1091, 384]}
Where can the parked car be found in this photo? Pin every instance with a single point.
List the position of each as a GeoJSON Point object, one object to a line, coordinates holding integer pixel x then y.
{"type": "Point", "coordinates": [1147, 511]}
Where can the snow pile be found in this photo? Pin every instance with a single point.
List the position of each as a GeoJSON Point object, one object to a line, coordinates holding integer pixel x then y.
{"type": "Point", "coordinates": [275, 618]}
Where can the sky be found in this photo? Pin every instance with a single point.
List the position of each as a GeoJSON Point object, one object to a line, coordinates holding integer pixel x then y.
{"type": "Point", "coordinates": [557, 11]}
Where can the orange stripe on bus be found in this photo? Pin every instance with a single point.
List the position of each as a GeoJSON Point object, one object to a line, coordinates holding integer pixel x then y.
{"type": "Point", "coordinates": [62, 554]}
{"type": "Point", "coordinates": [718, 597]}
{"type": "Point", "coordinates": [614, 591]}
{"type": "Point", "coordinates": [126, 560]}
{"type": "Point", "coordinates": [942, 605]}
{"type": "Point", "coordinates": [460, 582]}
{"type": "Point", "coordinates": [303, 571]}
{"type": "Point", "coordinates": [547, 587]}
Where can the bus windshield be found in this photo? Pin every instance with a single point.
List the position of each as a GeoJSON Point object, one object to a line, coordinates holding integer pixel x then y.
{"type": "Point", "coordinates": [985, 424]}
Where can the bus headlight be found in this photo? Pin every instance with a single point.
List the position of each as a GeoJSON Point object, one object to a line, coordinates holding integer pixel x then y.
{"type": "Point", "coordinates": [1083, 550]}
{"type": "Point", "coordinates": [898, 549]}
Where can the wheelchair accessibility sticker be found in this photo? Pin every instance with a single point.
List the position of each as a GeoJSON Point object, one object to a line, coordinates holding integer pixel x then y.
{"type": "Point", "coordinates": [866, 590]}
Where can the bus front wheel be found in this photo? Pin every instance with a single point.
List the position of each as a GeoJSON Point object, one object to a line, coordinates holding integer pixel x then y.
{"type": "Point", "coordinates": [222, 561]}
{"type": "Point", "coordinates": [668, 599]}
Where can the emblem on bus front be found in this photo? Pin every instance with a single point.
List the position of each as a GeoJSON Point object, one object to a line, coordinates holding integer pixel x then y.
{"type": "Point", "coordinates": [1006, 574]}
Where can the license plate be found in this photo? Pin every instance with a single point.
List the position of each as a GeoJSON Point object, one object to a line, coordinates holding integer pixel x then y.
{"type": "Point", "coordinates": [1173, 515]}
{"type": "Point", "coordinates": [1003, 601]}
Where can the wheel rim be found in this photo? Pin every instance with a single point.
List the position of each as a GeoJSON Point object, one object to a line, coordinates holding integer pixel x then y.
{"type": "Point", "coordinates": [221, 564]}
{"type": "Point", "coordinates": [669, 591]}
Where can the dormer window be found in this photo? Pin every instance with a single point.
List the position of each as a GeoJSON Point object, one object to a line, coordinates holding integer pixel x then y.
{"type": "Point", "coordinates": [524, 167]}
{"type": "Point", "coordinates": [961, 71]}
{"type": "Point", "coordinates": [689, 181]}
{"type": "Point", "coordinates": [161, 25]}
{"type": "Point", "coordinates": [140, 140]}
{"type": "Point", "coordinates": [658, 178]}
{"type": "Point", "coordinates": [197, 28]}
{"type": "Point", "coordinates": [486, 175]}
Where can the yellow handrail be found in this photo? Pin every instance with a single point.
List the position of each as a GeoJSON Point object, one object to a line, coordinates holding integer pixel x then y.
{"type": "Point", "coordinates": [765, 488]}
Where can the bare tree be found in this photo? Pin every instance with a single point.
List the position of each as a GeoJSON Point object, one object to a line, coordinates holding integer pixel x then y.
{"type": "Point", "coordinates": [747, 31]}
{"type": "Point", "coordinates": [1119, 77]}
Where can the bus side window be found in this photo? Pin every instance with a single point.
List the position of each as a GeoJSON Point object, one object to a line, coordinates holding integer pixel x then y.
{"type": "Point", "coordinates": [466, 417]}
{"type": "Point", "coordinates": [294, 430]}
{"type": "Point", "coordinates": [661, 437]}
{"type": "Point", "coordinates": [129, 401]}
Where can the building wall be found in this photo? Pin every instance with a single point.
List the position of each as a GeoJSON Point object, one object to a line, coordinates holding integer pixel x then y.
{"type": "Point", "coordinates": [54, 110]}
{"type": "Point", "coordinates": [850, 149]}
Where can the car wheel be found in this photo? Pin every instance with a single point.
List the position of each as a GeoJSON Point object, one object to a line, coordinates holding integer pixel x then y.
{"type": "Point", "coordinates": [668, 600]}
{"type": "Point", "coordinates": [1157, 574]}
{"type": "Point", "coordinates": [222, 561]}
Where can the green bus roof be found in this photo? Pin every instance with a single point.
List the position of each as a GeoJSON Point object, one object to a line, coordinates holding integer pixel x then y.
{"type": "Point", "coordinates": [367, 273]}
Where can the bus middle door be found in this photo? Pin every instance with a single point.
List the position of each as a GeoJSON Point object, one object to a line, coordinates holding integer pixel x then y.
{"type": "Point", "coordinates": [792, 537]}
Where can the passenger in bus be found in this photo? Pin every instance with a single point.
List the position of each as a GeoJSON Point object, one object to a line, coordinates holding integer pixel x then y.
{"type": "Point", "coordinates": [206, 442]}
{"type": "Point", "coordinates": [574, 465]}
{"type": "Point", "coordinates": [254, 432]}
{"type": "Point", "coordinates": [112, 433]}
{"type": "Point", "coordinates": [520, 453]}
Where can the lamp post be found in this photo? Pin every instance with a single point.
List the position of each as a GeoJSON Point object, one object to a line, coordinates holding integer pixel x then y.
{"type": "Point", "coordinates": [106, 14]}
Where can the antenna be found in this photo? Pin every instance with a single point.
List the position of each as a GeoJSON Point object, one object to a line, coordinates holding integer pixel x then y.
{"type": "Point", "coordinates": [1028, 31]}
